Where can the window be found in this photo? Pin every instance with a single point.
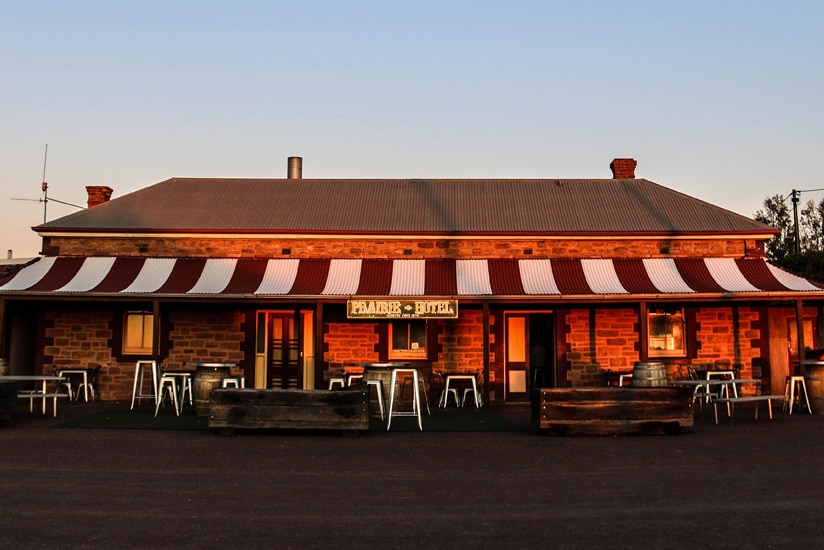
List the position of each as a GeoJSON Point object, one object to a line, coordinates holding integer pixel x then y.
{"type": "Point", "coordinates": [408, 339]}
{"type": "Point", "coordinates": [666, 333]}
{"type": "Point", "coordinates": [138, 333]}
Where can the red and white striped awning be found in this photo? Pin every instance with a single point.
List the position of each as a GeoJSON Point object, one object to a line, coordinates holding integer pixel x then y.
{"type": "Point", "coordinates": [556, 278]}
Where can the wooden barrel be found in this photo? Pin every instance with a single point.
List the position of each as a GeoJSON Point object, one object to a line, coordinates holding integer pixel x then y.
{"type": "Point", "coordinates": [4, 367]}
{"type": "Point", "coordinates": [207, 379]}
{"type": "Point", "coordinates": [649, 375]}
{"type": "Point", "coordinates": [814, 380]}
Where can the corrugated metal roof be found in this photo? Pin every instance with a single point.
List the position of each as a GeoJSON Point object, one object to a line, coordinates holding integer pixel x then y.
{"type": "Point", "coordinates": [478, 206]}
{"type": "Point", "coordinates": [561, 278]}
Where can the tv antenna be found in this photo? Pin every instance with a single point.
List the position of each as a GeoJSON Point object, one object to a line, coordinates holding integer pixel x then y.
{"type": "Point", "coordinates": [44, 187]}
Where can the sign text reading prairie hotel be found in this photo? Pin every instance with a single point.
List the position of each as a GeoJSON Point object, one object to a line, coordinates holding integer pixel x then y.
{"type": "Point", "coordinates": [396, 309]}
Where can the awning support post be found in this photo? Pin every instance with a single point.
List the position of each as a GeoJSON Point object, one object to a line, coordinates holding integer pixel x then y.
{"type": "Point", "coordinates": [486, 354]}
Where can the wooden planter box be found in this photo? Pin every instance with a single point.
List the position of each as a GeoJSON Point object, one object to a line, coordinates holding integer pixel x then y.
{"type": "Point", "coordinates": [276, 409]}
{"type": "Point", "coordinates": [614, 411]}
{"type": "Point", "coordinates": [8, 400]}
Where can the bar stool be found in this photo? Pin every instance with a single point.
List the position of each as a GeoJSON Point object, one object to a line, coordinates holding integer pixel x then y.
{"type": "Point", "coordinates": [167, 383]}
{"type": "Point", "coordinates": [234, 381]}
{"type": "Point", "coordinates": [423, 389]}
{"type": "Point", "coordinates": [416, 403]}
{"type": "Point", "coordinates": [139, 373]}
{"type": "Point", "coordinates": [378, 385]}
{"type": "Point", "coordinates": [444, 398]}
{"type": "Point", "coordinates": [475, 391]}
{"type": "Point", "coordinates": [185, 387]}
{"type": "Point", "coordinates": [793, 392]}
{"type": "Point", "coordinates": [337, 381]}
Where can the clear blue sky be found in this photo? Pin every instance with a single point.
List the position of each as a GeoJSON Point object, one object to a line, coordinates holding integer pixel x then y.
{"type": "Point", "coordinates": [720, 100]}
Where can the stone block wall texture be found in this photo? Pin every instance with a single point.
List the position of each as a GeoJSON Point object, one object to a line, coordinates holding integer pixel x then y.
{"type": "Point", "coordinates": [83, 338]}
{"type": "Point", "coordinates": [78, 339]}
{"type": "Point", "coordinates": [350, 343]}
{"type": "Point", "coordinates": [462, 344]}
{"type": "Point", "coordinates": [206, 337]}
{"type": "Point", "coordinates": [715, 333]}
{"type": "Point", "coordinates": [615, 345]}
{"type": "Point", "coordinates": [397, 248]}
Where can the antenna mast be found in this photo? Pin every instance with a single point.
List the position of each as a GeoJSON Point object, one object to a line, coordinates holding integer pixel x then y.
{"type": "Point", "coordinates": [45, 186]}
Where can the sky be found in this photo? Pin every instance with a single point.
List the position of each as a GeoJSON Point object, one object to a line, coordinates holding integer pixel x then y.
{"type": "Point", "coordinates": [720, 100]}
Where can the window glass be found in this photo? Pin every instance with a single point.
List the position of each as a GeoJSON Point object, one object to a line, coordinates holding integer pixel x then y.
{"type": "Point", "coordinates": [408, 339]}
{"type": "Point", "coordinates": [138, 329]}
{"type": "Point", "coordinates": [666, 333]}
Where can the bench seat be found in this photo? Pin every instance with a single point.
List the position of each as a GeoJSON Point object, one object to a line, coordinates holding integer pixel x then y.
{"type": "Point", "coordinates": [31, 395]}
{"type": "Point", "coordinates": [747, 399]}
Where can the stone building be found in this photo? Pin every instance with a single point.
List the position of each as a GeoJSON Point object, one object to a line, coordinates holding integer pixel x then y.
{"type": "Point", "coordinates": [528, 282]}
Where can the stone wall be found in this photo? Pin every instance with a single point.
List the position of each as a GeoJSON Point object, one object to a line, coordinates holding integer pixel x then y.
{"type": "Point", "coordinates": [350, 343]}
{"type": "Point", "coordinates": [715, 333]}
{"type": "Point", "coordinates": [205, 337]}
{"type": "Point", "coordinates": [397, 248]}
{"type": "Point", "coordinates": [462, 344]}
{"type": "Point", "coordinates": [83, 338]}
{"type": "Point", "coordinates": [79, 339]}
{"type": "Point", "coordinates": [611, 343]}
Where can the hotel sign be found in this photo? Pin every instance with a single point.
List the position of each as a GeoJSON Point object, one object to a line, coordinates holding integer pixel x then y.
{"type": "Point", "coordinates": [402, 309]}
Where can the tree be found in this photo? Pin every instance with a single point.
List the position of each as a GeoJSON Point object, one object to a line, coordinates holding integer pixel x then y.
{"type": "Point", "coordinates": [811, 225]}
{"type": "Point", "coordinates": [777, 214]}
{"type": "Point", "coordinates": [781, 249]}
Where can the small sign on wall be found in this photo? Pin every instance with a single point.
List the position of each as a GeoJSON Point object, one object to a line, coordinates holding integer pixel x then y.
{"type": "Point", "coordinates": [400, 309]}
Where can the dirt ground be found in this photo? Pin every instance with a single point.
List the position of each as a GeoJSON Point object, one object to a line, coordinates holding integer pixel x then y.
{"type": "Point", "coordinates": [757, 484]}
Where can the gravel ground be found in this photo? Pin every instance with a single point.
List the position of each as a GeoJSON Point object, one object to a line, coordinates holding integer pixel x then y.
{"type": "Point", "coordinates": [757, 484]}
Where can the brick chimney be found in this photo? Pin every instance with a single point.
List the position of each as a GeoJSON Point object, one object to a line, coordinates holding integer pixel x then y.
{"type": "Point", "coordinates": [98, 194]}
{"type": "Point", "coordinates": [295, 169]}
{"type": "Point", "coordinates": [623, 169]}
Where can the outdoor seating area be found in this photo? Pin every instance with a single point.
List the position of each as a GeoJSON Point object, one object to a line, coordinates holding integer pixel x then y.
{"type": "Point", "coordinates": [720, 383]}
{"type": "Point", "coordinates": [178, 387]}
{"type": "Point", "coordinates": [403, 389]}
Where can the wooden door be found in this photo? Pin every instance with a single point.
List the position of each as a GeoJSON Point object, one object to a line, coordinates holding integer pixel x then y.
{"type": "Point", "coordinates": [810, 339]}
{"type": "Point", "coordinates": [516, 376]}
{"type": "Point", "coordinates": [285, 362]}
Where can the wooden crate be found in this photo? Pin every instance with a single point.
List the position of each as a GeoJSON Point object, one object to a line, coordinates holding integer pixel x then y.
{"type": "Point", "coordinates": [277, 409]}
{"type": "Point", "coordinates": [614, 411]}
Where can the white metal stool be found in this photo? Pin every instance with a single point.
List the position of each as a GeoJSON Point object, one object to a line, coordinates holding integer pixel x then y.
{"type": "Point", "coordinates": [793, 385]}
{"type": "Point", "coordinates": [186, 387]}
{"type": "Point", "coordinates": [337, 381]}
{"type": "Point", "coordinates": [234, 381]}
{"type": "Point", "coordinates": [378, 385]}
{"type": "Point", "coordinates": [416, 403]}
{"type": "Point", "coordinates": [423, 388]}
{"type": "Point", "coordinates": [167, 384]}
{"type": "Point", "coordinates": [139, 374]}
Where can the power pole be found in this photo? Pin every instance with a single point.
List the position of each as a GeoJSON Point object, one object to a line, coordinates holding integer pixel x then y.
{"type": "Point", "coordinates": [795, 199]}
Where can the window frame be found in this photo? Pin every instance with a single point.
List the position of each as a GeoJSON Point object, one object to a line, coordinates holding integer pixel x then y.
{"type": "Point", "coordinates": [147, 337]}
{"type": "Point", "coordinates": [420, 353]}
{"type": "Point", "coordinates": [674, 317]}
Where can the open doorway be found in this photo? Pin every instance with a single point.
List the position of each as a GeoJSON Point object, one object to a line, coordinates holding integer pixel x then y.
{"type": "Point", "coordinates": [542, 350]}
{"type": "Point", "coordinates": [530, 353]}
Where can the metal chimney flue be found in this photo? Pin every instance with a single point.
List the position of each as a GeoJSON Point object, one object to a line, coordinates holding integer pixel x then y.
{"type": "Point", "coordinates": [295, 169]}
